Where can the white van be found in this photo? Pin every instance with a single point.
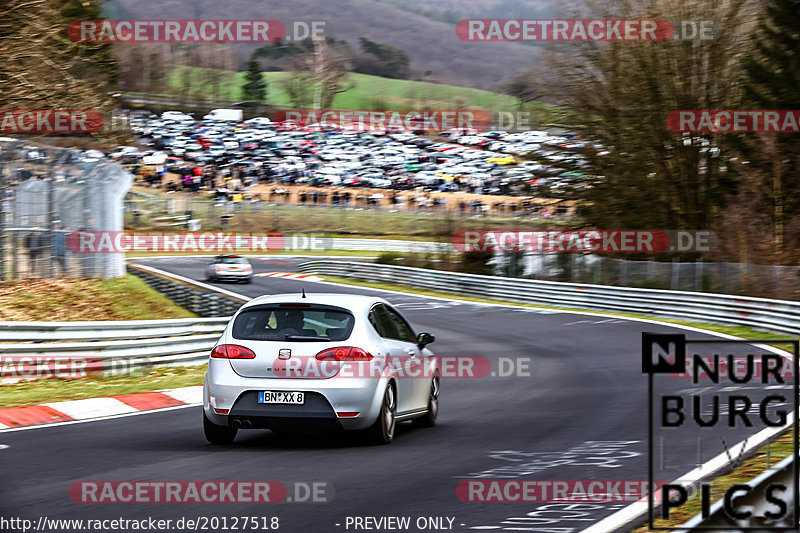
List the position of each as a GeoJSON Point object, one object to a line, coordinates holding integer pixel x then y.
{"type": "Point", "coordinates": [224, 114]}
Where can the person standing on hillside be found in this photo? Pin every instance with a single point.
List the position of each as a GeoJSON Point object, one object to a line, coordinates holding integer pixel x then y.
{"type": "Point", "coordinates": [33, 242]}
{"type": "Point", "coordinates": [59, 244]}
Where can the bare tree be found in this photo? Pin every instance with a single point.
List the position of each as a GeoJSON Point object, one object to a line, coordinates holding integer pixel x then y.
{"type": "Point", "coordinates": [298, 86]}
{"type": "Point", "coordinates": [215, 62]}
{"type": "Point", "coordinates": [325, 68]}
{"type": "Point", "coordinates": [624, 91]}
{"type": "Point", "coordinates": [41, 67]}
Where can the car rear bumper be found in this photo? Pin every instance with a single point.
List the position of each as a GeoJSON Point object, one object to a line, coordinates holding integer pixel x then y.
{"type": "Point", "coordinates": [315, 414]}
{"type": "Point", "coordinates": [330, 403]}
{"type": "Point", "coordinates": [233, 275]}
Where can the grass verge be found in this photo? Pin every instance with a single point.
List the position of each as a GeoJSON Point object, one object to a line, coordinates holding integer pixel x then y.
{"type": "Point", "coordinates": [125, 298]}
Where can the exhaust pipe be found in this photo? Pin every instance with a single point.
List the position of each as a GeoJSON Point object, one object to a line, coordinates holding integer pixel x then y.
{"type": "Point", "coordinates": [247, 424]}
{"type": "Point", "coordinates": [236, 423]}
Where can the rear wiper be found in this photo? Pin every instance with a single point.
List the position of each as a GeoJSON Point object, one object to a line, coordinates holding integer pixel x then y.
{"type": "Point", "coordinates": [305, 338]}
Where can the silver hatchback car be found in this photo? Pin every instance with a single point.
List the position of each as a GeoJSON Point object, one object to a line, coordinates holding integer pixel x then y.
{"type": "Point", "coordinates": [229, 267]}
{"type": "Point", "coordinates": [319, 362]}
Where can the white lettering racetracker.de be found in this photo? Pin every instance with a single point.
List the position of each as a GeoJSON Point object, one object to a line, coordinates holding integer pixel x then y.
{"type": "Point", "coordinates": [172, 31]}
{"type": "Point", "coordinates": [171, 492]}
{"type": "Point", "coordinates": [399, 523]}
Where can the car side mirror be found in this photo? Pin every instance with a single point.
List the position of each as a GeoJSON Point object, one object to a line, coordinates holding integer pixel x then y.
{"type": "Point", "coordinates": [424, 339]}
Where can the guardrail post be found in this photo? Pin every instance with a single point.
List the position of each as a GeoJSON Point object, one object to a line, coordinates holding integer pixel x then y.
{"type": "Point", "coordinates": [698, 275]}
{"type": "Point", "coordinates": [674, 279]}
{"type": "Point", "coordinates": [623, 273]}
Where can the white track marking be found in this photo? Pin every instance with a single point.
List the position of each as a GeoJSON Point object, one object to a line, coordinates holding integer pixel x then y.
{"type": "Point", "coordinates": [92, 408]}
{"type": "Point", "coordinates": [70, 422]}
{"type": "Point", "coordinates": [188, 395]}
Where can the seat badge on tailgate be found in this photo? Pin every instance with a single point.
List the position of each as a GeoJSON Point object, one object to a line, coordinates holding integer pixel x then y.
{"type": "Point", "coordinates": [284, 353]}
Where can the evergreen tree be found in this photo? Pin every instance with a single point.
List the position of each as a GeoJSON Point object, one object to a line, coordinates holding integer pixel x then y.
{"type": "Point", "coordinates": [254, 88]}
{"type": "Point", "coordinates": [382, 60]}
{"type": "Point", "coordinates": [101, 55]}
{"type": "Point", "coordinates": [773, 83]}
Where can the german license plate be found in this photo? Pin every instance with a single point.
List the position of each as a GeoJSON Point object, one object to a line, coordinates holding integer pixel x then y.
{"type": "Point", "coordinates": [296, 398]}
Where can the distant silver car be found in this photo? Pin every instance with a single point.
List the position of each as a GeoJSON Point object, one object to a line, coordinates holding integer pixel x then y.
{"type": "Point", "coordinates": [321, 362]}
{"type": "Point", "coordinates": [229, 267]}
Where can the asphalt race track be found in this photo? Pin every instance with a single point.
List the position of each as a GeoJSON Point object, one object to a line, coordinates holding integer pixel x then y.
{"type": "Point", "coordinates": [581, 414]}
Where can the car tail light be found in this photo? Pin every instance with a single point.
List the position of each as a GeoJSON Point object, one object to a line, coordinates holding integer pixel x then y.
{"type": "Point", "coordinates": [232, 351]}
{"type": "Point", "coordinates": [344, 353]}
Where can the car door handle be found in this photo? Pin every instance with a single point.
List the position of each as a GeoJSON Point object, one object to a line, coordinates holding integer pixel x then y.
{"type": "Point", "coordinates": [411, 351]}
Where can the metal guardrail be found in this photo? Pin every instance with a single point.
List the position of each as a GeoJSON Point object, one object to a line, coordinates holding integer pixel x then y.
{"type": "Point", "coordinates": [778, 316]}
{"type": "Point", "coordinates": [45, 349]}
{"type": "Point", "coordinates": [386, 245]}
{"type": "Point", "coordinates": [300, 244]}
{"type": "Point", "coordinates": [107, 330]}
{"type": "Point", "coordinates": [189, 294]}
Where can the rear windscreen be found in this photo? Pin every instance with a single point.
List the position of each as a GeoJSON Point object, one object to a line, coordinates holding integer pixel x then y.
{"type": "Point", "coordinates": [275, 323]}
{"type": "Point", "coordinates": [232, 260]}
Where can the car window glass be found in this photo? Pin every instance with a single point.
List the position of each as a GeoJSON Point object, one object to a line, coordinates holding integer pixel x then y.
{"type": "Point", "coordinates": [275, 323]}
{"type": "Point", "coordinates": [404, 331]}
{"type": "Point", "coordinates": [382, 323]}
